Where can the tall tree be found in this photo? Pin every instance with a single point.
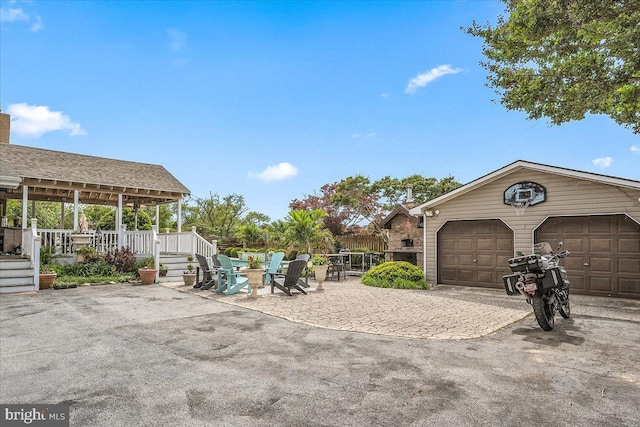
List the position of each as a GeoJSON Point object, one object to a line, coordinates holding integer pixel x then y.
{"type": "Point", "coordinates": [215, 216]}
{"type": "Point", "coordinates": [562, 59]}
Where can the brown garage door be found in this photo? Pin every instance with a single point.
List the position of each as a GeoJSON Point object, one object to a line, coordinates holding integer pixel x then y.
{"type": "Point", "coordinates": [605, 253]}
{"type": "Point", "coordinates": [474, 253]}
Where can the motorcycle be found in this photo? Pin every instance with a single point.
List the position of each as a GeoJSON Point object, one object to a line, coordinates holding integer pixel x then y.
{"type": "Point", "coordinates": [542, 281]}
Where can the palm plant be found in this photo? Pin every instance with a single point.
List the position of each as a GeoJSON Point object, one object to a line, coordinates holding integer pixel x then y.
{"type": "Point", "coordinates": [305, 229]}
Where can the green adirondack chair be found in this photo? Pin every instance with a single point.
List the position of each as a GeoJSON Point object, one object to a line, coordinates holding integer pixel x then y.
{"type": "Point", "coordinates": [229, 280]}
{"type": "Point", "coordinates": [274, 266]}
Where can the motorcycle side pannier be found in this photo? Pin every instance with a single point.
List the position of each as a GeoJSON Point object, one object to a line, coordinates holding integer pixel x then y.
{"type": "Point", "coordinates": [555, 277]}
{"type": "Point", "coordinates": [526, 264]}
{"type": "Point", "coordinates": [510, 284]}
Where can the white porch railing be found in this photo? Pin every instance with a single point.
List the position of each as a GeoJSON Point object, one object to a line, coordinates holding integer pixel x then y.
{"type": "Point", "coordinates": [140, 242]}
{"type": "Point", "coordinates": [186, 242]}
{"type": "Point", "coordinates": [31, 249]}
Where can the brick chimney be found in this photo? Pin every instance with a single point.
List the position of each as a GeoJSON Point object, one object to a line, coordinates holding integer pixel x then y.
{"type": "Point", "coordinates": [5, 126]}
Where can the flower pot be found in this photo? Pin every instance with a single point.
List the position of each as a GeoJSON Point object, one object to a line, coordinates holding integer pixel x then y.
{"type": "Point", "coordinates": [47, 279]}
{"type": "Point", "coordinates": [189, 278]}
{"type": "Point", "coordinates": [320, 272]}
{"type": "Point", "coordinates": [147, 275]}
{"type": "Point", "coordinates": [255, 280]}
{"type": "Point", "coordinates": [163, 272]}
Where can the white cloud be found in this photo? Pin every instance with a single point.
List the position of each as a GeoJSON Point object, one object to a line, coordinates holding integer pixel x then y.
{"type": "Point", "coordinates": [12, 15]}
{"type": "Point", "coordinates": [279, 172]}
{"type": "Point", "coordinates": [363, 135]}
{"type": "Point", "coordinates": [385, 95]}
{"type": "Point", "coordinates": [37, 25]}
{"type": "Point", "coordinates": [603, 162]}
{"type": "Point", "coordinates": [424, 79]}
{"type": "Point", "coordinates": [635, 149]}
{"type": "Point", "coordinates": [177, 39]}
{"type": "Point", "coordinates": [32, 121]}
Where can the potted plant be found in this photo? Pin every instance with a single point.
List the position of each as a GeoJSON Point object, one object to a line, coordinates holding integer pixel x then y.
{"type": "Point", "coordinates": [148, 273]}
{"type": "Point", "coordinates": [189, 275]}
{"type": "Point", "coordinates": [320, 265]}
{"type": "Point", "coordinates": [47, 276]}
{"type": "Point", "coordinates": [254, 273]}
{"type": "Point", "coordinates": [163, 270]}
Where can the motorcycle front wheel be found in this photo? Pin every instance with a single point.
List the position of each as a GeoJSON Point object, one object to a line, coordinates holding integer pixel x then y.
{"type": "Point", "coordinates": [565, 307]}
{"type": "Point", "coordinates": [544, 312]}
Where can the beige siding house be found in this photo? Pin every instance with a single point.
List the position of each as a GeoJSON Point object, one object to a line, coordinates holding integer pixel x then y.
{"type": "Point", "coordinates": [471, 232]}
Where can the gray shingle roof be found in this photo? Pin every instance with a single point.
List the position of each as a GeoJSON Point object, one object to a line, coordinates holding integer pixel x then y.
{"type": "Point", "coordinates": [52, 174]}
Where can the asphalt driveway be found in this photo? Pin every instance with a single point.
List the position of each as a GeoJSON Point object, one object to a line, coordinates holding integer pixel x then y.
{"type": "Point", "coordinates": [124, 355]}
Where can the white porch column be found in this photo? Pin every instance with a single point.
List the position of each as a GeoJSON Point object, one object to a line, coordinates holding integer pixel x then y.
{"type": "Point", "coordinates": [25, 205]}
{"type": "Point", "coordinates": [119, 213]}
{"type": "Point", "coordinates": [119, 222]}
{"type": "Point", "coordinates": [62, 215]}
{"type": "Point", "coordinates": [76, 195]}
{"type": "Point", "coordinates": [157, 217]}
{"type": "Point", "coordinates": [180, 215]}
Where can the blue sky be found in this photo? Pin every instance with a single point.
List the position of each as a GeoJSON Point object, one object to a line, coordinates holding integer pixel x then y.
{"type": "Point", "coordinates": [271, 100]}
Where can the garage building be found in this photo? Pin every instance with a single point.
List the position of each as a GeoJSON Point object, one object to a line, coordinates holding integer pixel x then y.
{"type": "Point", "coordinates": [471, 232]}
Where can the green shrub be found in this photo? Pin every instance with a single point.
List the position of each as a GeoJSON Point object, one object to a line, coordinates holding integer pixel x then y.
{"type": "Point", "coordinates": [395, 274]}
{"type": "Point", "coordinates": [97, 268]}
{"type": "Point", "coordinates": [293, 253]}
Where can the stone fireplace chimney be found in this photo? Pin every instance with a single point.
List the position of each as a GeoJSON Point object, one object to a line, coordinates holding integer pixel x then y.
{"type": "Point", "coordinates": [5, 125]}
{"type": "Point", "coordinates": [409, 193]}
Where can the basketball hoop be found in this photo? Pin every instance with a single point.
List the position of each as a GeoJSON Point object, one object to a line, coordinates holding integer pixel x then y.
{"type": "Point", "coordinates": [520, 207]}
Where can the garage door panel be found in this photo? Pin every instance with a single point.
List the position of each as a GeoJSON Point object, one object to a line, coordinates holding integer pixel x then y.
{"type": "Point", "coordinates": [485, 259]}
{"type": "Point", "coordinates": [628, 246]}
{"type": "Point", "coordinates": [505, 245]}
{"type": "Point", "coordinates": [466, 260]}
{"type": "Point", "coordinates": [448, 244]}
{"type": "Point", "coordinates": [465, 244]}
{"type": "Point", "coordinates": [600, 283]}
{"type": "Point", "coordinates": [601, 265]}
{"type": "Point", "coordinates": [600, 245]}
{"type": "Point", "coordinates": [485, 244]}
{"type": "Point", "coordinates": [573, 245]}
{"type": "Point", "coordinates": [448, 274]}
{"type": "Point", "coordinates": [605, 253]}
{"type": "Point", "coordinates": [466, 276]}
{"type": "Point", "coordinates": [629, 287]}
{"type": "Point", "coordinates": [626, 225]}
{"type": "Point", "coordinates": [480, 252]}
{"type": "Point", "coordinates": [597, 226]}
{"type": "Point", "coordinates": [486, 276]}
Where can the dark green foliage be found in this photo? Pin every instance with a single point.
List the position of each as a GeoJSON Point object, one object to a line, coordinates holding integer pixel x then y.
{"type": "Point", "coordinates": [89, 253]}
{"type": "Point", "coordinates": [565, 59]}
{"type": "Point", "coordinates": [292, 254]}
{"type": "Point", "coordinates": [46, 254]}
{"type": "Point", "coordinates": [96, 268]}
{"type": "Point", "coordinates": [395, 274]}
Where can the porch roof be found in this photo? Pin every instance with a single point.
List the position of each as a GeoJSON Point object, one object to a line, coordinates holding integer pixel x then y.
{"type": "Point", "coordinates": [54, 175]}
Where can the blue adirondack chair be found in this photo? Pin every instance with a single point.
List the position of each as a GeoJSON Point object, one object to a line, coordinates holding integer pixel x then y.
{"type": "Point", "coordinates": [274, 265]}
{"type": "Point", "coordinates": [229, 280]}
